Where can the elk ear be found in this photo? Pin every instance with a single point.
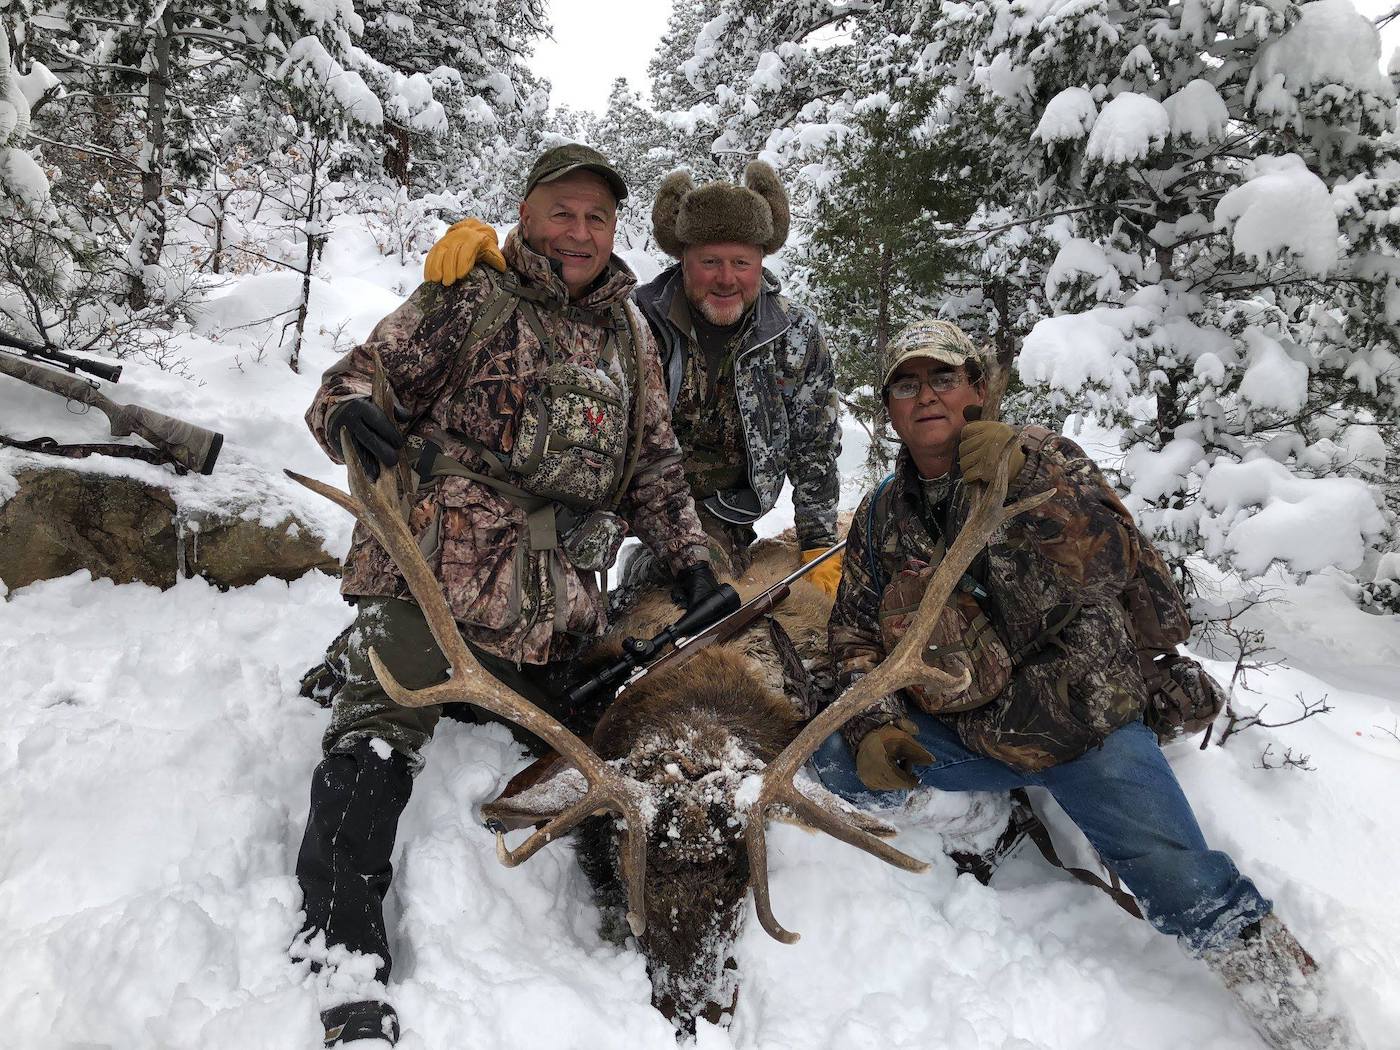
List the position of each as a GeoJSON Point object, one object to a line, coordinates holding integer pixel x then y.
{"type": "Point", "coordinates": [535, 795]}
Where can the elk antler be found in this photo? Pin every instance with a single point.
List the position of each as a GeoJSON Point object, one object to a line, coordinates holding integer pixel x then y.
{"type": "Point", "coordinates": [901, 668]}
{"type": "Point", "coordinates": [376, 505]}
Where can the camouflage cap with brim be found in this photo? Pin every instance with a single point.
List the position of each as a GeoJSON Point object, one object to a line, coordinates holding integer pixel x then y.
{"type": "Point", "coordinates": [574, 156]}
{"type": "Point", "coordinates": [940, 341]}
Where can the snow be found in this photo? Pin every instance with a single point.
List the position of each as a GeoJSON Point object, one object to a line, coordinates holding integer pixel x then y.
{"type": "Point", "coordinates": [1282, 210]}
{"type": "Point", "coordinates": [1090, 349]}
{"type": "Point", "coordinates": [1129, 129]}
{"type": "Point", "coordinates": [1079, 259]}
{"type": "Point", "coordinates": [1331, 43]}
{"type": "Point", "coordinates": [1273, 379]}
{"type": "Point", "coordinates": [155, 761]}
{"type": "Point", "coordinates": [1262, 513]}
{"type": "Point", "coordinates": [1068, 116]}
{"type": "Point", "coordinates": [1198, 113]}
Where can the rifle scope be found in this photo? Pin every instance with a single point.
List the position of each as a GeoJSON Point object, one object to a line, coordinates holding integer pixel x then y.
{"type": "Point", "coordinates": [637, 652]}
{"type": "Point", "coordinates": [111, 373]}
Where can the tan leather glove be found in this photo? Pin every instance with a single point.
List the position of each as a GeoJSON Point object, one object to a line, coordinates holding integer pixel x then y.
{"type": "Point", "coordinates": [826, 575]}
{"type": "Point", "coordinates": [463, 246]}
{"type": "Point", "coordinates": [980, 448]}
{"type": "Point", "coordinates": [886, 754]}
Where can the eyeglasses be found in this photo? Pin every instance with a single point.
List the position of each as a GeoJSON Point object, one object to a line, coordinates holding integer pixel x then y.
{"type": "Point", "coordinates": [938, 382]}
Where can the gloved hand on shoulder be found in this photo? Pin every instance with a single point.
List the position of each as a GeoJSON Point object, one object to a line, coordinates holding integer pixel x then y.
{"type": "Point", "coordinates": [463, 246]}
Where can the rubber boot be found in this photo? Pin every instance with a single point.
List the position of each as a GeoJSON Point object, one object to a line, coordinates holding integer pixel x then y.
{"type": "Point", "coordinates": [367, 1022]}
{"type": "Point", "coordinates": [1277, 984]}
{"type": "Point", "coordinates": [343, 866]}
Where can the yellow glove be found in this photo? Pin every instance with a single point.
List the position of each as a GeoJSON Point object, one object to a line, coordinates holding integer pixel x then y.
{"type": "Point", "coordinates": [463, 246]}
{"type": "Point", "coordinates": [826, 575]}
{"type": "Point", "coordinates": [887, 755]}
{"type": "Point", "coordinates": [980, 448]}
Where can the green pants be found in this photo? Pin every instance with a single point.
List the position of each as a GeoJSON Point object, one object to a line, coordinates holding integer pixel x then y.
{"type": "Point", "coordinates": [397, 631]}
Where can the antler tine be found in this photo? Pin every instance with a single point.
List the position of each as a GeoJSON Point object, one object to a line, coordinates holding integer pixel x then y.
{"type": "Point", "coordinates": [376, 505]}
{"type": "Point", "coordinates": [902, 667]}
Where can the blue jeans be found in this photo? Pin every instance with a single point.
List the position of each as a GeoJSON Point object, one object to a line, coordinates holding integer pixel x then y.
{"type": "Point", "coordinates": [1125, 799]}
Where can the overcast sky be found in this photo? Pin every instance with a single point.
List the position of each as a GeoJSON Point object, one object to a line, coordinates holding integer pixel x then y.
{"type": "Point", "coordinates": [594, 44]}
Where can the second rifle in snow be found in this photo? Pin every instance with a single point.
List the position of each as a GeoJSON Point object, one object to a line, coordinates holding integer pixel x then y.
{"type": "Point", "coordinates": [188, 446]}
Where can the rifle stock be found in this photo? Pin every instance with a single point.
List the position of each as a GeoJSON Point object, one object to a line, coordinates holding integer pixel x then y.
{"type": "Point", "coordinates": [184, 443]}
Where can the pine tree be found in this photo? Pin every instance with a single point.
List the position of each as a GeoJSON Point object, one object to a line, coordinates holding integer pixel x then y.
{"type": "Point", "coordinates": [1187, 167]}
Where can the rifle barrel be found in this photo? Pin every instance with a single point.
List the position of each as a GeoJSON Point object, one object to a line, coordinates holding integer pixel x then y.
{"type": "Point", "coordinates": [100, 369]}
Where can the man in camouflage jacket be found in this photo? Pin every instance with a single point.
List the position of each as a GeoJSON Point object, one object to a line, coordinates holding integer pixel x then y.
{"type": "Point", "coordinates": [747, 371]}
{"type": "Point", "coordinates": [524, 607]}
{"type": "Point", "coordinates": [1056, 698]}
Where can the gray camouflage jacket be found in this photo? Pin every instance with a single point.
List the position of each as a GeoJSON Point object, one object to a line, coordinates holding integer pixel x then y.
{"type": "Point", "coordinates": [785, 386]}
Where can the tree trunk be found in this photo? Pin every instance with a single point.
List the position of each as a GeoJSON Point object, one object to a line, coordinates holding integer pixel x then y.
{"type": "Point", "coordinates": [398, 156]}
{"type": "Point", "coordinates": [311, 217]}
{"type": "Point", "coordinates": [148, 239]}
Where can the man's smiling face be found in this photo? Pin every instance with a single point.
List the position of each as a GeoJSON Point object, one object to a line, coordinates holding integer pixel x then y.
{"type": "Point", "coordinates": [573, 221]}
{"type": "Point", "coordinates": [721, 280]}
{"type": "Point", "coordinates": [930, 421]}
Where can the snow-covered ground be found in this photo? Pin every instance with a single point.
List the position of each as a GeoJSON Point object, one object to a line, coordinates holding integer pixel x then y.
{"type": "Point", "coordinates": [155, 762]}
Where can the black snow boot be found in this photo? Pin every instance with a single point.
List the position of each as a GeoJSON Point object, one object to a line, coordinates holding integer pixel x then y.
{"type": "Point", "coordinates": [357, 1022]}
{"type": "Point", "coordinates": [343, 866]}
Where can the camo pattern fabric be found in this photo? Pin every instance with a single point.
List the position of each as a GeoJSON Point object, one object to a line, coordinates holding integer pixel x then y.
{"type": "Point", "coordinates": [708, 427]}
{"type": "Point", "coordinates": [785, 390]}
{"type": "Point", "coordinates": [523, 605]}
{"type": "Point", "coordinates": [962, 641]}
{"type": "Point", "coordinates": [1066, 693]}
{"type": "Point", "coordinates": [571, 441]}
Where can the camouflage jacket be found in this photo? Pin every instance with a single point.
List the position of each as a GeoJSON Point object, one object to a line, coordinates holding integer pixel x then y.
{"type": "Point", "coordinates": [529, 606]}
{"type": "Point", "coordinates": [786, 390]}
{"type": "Point", "coordinates": [1066, 692]}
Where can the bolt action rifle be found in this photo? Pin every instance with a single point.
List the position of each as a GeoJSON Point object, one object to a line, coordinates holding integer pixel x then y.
{"type": "Point", "coordinates": [187, 446]}
{"type": "Point", "coordinates": [716, 619]}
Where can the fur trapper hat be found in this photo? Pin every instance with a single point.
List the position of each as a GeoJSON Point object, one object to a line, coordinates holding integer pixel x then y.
{"type": "Point", "coordinates": [754, 213]}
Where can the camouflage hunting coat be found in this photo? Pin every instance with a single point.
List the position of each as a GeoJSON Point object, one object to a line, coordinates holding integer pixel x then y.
{"type": "Point", "coordinates": [786, 392]}
{"type": "Point", "coordinates": [524, 605]}
{"type": "Point", "coordinates": [1069, 558]}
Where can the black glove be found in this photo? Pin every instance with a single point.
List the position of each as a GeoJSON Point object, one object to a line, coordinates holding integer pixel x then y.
{"type": "Point", "coordinates": [694, 584]}
{"type": "Point", "coordinates": [376, 439]}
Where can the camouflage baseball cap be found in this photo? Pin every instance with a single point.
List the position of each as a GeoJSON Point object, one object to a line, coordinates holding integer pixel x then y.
{"type": "Point", "coordinates": [939, 340]}
{"type": "Point", "coordinates": [574, 156]}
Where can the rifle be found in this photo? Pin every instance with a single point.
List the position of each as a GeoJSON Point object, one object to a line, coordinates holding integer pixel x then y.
{"type": "Point", "coordinates": [725, 618]}
{"type": "Point", "coordinates": [185, 444]}
{"type": "Point", "coordinates": [67, 362]}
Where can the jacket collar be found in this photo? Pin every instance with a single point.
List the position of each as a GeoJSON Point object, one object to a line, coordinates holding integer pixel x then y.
{"type": "Point", "coordinates": [612, 286]}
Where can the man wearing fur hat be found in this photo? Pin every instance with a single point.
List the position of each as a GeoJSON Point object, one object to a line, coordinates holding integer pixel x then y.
{"type": "Point", "coordinates": [747, 371]}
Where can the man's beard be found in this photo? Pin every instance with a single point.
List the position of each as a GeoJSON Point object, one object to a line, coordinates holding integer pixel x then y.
{"type": "Point", "coordinates": [722, 316]}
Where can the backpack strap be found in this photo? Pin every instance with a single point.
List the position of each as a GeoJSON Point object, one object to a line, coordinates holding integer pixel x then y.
{"type": "Point", "coordinates": [630, 347]}
{"type": "Point", "coordinates": [1040, 835]}
{"type": "Point", "coordinates": [878, 499]}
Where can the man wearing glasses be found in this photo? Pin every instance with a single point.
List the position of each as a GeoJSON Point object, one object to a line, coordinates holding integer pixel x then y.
{"type": "Point", "coordinates": [1056, 698]}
